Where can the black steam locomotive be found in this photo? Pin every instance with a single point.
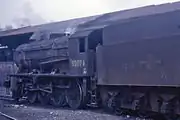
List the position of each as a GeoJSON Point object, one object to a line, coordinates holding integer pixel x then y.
{"type": "Point", "coordinates": [131, 65]}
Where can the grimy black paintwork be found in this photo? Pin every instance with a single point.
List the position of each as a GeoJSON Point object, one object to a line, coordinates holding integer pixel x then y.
{"type": "Point", "coordinates": [147, 62]}
{"type": "Point", "coordinates": [146, 52]}
{"type": "Point", "coordinates": [129, 64]}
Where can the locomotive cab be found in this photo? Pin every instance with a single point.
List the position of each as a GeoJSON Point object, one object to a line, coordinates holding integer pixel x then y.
{"type": "Point", "coordinates": [82, 48]}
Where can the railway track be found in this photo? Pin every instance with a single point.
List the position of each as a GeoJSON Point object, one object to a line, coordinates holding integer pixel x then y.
{"type": "Point", "coordinates": [98, 110]}
{"type": "Point", "coordinates": [6, 117]}
{"type": "Point", "coordinates": [5, 97]}
{"type": "Point", "coordinates": [124, 114]}
{"type": "Point", "coordinates": [8, 98]}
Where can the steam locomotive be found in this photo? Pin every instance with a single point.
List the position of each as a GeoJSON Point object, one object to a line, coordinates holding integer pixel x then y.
{"type": "Point", "coordinates": [127, 65]}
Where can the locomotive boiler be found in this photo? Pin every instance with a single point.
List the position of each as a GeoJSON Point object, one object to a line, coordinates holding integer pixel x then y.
{"type": "Point", "coordinates": [129, 65]}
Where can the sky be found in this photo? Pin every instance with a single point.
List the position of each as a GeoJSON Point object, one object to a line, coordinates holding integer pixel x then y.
{"type": "Point", "coordinates": [32, 12]}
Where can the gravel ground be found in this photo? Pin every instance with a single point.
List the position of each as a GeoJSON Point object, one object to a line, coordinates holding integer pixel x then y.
{"type": "Point", "coordinates": [22, 112]}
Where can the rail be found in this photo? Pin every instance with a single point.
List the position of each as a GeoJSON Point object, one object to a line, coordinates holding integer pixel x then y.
{"type": "Point", "coordinates": [3, 114]}
{"type": "Point", "coordinates": [5, 96]}
{"type": "Point", "coordinates": [7, 116]}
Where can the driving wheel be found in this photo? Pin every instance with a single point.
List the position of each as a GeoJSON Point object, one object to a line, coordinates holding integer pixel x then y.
{"type": "Point", "coordinates": [74, 95]}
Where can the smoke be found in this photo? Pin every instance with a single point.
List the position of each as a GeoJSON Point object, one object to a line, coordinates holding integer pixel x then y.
{"type": "Point", "coordinates": [18, 13]}
{"type": "Point", "coordinates": [28, 17]}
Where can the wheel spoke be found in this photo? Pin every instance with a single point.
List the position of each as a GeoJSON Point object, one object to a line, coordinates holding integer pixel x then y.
{"type": "Point", "coordinates": [43, 98]}
{"type": "Point", "coordinates": [58, 98]}
{"type": "Point", "coordinates": [32, 97]}
{"type": "Point", "coordinates": [74, 96]}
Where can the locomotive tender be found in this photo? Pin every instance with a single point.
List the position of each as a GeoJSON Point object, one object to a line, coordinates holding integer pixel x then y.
{"type": "Point", "coordinates": [130, 64]}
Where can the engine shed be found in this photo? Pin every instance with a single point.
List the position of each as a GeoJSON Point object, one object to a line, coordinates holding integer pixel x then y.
{"type": "Point", "coordinates": [9, 40]}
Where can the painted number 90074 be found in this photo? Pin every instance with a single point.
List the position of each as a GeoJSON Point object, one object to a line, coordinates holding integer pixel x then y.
{"type": "Point", "coordinates": [78, 63]}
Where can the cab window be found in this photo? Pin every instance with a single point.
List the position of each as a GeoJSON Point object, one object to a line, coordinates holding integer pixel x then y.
{"type": "Point", "coordinates": [82, 45]}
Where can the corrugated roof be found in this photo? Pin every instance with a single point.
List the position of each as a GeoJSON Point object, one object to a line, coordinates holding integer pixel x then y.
{"type": "Point", "coordinates": [61, 26]}
{"type": "Point", "coordinates": [23, 30]}
{"type": "Point", "coordinates": [97, 21]}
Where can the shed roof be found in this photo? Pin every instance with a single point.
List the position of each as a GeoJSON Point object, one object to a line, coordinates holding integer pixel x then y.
{"type": "Point", "coordinates": [60, 27]}
{"type": "Point", "coordinates": [97, 21]}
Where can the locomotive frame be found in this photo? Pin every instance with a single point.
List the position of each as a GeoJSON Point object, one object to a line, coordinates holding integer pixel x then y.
{"type": "Point", "coordinates": [57, 86]}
